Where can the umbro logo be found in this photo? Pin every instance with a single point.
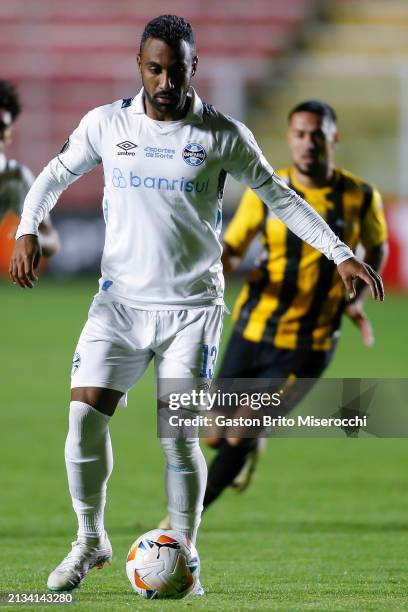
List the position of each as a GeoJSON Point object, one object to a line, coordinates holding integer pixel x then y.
{"type": "Point", "coordinates": [126, 147]}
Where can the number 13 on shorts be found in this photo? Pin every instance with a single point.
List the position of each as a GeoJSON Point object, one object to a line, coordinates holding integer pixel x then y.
{"type": "Point", "coordinates": [209, 361]}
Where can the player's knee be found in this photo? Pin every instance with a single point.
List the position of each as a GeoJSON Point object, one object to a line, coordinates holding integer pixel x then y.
{"type": "Point", "coordinates": [87, 427]}
{"type": "Point", "coordinates": [103, 400]}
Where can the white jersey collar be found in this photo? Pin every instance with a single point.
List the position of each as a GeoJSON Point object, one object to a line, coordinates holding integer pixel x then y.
{"type": "Point", "coordinates": [195, 111]}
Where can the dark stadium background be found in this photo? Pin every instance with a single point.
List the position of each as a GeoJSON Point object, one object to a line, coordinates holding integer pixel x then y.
{"type": "Point", "coordinates": [324, 525]}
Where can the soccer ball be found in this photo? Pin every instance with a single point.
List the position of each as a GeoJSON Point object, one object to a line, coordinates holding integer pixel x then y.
{"type": "Point", "coordinates": [162, 564]}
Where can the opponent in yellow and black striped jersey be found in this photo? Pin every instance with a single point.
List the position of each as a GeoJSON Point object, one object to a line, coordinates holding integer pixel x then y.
{"type": "Point", "coordinates": [294, 296]}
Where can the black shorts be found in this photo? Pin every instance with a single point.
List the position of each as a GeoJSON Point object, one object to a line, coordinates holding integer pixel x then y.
{"type": "Point", "coordinates": [246, 359]}
{"type": "Point", "coordinates": [296, 371]}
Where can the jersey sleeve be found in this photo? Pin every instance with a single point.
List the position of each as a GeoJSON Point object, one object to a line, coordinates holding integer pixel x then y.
{"type": "Point", "coordinates": [79, 155]}
{"type": "Point", "coordinates": [374, 225]}
{"type": "Point", "coordinates": [242, 157]}
{"type": "Point", "coordinates": [246, 222]}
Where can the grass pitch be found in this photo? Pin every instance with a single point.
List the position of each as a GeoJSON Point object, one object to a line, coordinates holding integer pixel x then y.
{"type": "Point", "coordinates": [324, 526]}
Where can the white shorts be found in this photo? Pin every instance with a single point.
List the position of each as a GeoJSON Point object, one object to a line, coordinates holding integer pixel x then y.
{"type": "Point", "coordinates": [118, 342]}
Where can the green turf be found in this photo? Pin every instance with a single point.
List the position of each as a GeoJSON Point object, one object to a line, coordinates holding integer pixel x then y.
{"type": "Point", "coordinates": [324, 526]}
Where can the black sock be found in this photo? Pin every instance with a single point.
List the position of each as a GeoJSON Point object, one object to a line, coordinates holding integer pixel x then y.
{"type": "Point", "coordinates": [225, 466]}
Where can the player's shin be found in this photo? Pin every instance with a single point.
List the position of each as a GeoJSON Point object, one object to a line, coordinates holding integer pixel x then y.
{"type": "Point", "coordinates": [89, 462]}
{"type": "Point", "coordinates": [185, 477]}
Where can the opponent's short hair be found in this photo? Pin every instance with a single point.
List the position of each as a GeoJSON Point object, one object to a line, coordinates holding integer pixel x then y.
{"type": "Point", "coordinates": [9, 98]}
{"type": "Point", "coordinates": [317, 107]}
{"type": "Point", "coordinates": [170, 29]}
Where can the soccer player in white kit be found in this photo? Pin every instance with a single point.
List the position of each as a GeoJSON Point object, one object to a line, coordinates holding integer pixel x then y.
{"type": "Point", "coordinates": [15, 178]}
{"type": "Point", "coordinates": [166, 155]}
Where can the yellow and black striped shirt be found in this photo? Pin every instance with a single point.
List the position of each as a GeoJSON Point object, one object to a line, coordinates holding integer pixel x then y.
{"type": "Point", "coordinates": [294, 296]}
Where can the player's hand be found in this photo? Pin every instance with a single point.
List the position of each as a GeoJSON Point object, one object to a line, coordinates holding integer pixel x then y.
{"type": "Point", "coordinates": [357, 315]}
{"type": "Point", "coordinates": [24, 261]}
{"type": "Point", "coordinates": [353, 268]}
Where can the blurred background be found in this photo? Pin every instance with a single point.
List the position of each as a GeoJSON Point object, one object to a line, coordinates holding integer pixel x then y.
{"type": "Point", "coordinates": [257, 60]}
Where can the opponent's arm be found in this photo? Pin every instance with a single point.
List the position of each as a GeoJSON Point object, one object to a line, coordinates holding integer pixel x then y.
{"type": "Point", "coordinates": [230, 259]}
{"type": "Point", "coordinates": [374, 240]}
{"type": "Point", "coordinates": [242, 229]}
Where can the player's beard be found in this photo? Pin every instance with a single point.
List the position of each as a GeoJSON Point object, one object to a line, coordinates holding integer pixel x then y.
{"type": "Point", "coordinates": [172, 108]}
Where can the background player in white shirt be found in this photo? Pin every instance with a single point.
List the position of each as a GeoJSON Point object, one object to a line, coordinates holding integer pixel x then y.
{"type": "Point", "coordinates": [165, 156]}
{"type": "Point", "coordinates": [16, 179]}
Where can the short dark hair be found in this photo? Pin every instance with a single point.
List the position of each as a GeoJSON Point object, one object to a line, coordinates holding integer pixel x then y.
{"type": "Point", "coordinates": [9, 98]}
{"type": "Point", "coordinates": [317, 107]}
{"type": "Point", "coordinates": [169, 28]}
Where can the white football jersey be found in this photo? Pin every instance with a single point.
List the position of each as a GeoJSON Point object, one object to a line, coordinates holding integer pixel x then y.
{"type": "Point", "coordinates": [15, 182]}
{"type": "Point", "coordinates": [163, 191]}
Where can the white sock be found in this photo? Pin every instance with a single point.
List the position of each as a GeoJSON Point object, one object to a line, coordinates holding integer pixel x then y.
{"type": "Point", "coordinates": [89, 462]}
{"type": "Point", "coordinates": [185, 478]}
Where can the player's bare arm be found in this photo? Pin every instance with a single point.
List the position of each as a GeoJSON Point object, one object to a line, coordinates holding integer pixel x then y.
{"type": "Point", "coordinates": [230, 258]}
{"type": "Point", "coordinates": [27, 253]}
{"type": "Point", "coordinates": [24, 261]}
{"type": "Point", "coordinates": [353, 269]}
{"type": "Point", "coordinates": [375, 257]}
